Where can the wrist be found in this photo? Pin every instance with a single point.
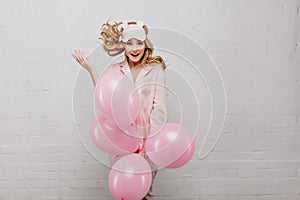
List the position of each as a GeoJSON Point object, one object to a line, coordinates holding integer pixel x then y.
{"type": "Point", "coordinates": [92, 70]}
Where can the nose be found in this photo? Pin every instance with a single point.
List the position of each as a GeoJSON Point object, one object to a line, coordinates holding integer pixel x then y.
{"type": "Point", "coordinates": [134, 48]}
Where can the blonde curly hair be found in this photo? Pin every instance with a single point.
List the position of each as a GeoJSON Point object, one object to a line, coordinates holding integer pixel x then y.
{"type": "Point", "coordinates": [112, 44]}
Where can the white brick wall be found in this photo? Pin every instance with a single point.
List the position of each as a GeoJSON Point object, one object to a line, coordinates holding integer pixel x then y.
{"type": "Point", "coordinates": [255, 45]}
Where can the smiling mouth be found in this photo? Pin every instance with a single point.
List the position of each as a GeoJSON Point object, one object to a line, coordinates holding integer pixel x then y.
{"type": "Point", "coordinates": [135, 55]}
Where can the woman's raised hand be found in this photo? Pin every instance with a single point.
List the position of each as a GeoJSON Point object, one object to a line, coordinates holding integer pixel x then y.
{"type": "Point", "coordinates": [82, 60]}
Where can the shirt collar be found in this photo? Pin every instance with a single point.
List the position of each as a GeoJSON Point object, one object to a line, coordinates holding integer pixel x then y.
{"type": "Point", "coordinates": [125, 69]}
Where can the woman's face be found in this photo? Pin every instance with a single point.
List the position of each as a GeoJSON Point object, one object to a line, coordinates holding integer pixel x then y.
{"type": "Point", "coordinates": [135, 49]}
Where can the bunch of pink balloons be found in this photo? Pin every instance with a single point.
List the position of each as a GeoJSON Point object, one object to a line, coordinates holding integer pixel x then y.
{"type": "Point", "coordinates": [117, 99]}
{"type": "Point", "coordinates": [113, 132]}
{"type": "Point", "coordinates": [169, 145]}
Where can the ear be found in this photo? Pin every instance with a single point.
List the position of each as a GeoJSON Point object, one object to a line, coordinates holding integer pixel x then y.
{"type": "Point", "coordinates": [146, 29]}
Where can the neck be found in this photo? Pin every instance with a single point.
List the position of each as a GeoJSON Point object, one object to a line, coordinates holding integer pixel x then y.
{"type": "Point", "coordinates": [133, 64]}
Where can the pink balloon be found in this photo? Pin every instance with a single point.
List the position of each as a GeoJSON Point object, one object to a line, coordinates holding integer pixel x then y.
{"type": "Point", "coordinates": [166, 144]}
{"type": "Point", "coordinates": [117, 98]}
{"type": "Point", "coordinates": [107, 136]}
{"type": "Point", "coordinates": [184, 158]}
{"type": "Point", "coordinates": [130, 178]}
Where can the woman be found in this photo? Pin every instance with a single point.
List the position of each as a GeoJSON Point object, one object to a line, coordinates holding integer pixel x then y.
{"type": "Point", "coordinates": [146, 71]}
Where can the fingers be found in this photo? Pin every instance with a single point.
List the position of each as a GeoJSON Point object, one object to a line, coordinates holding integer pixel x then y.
{"type": "Point", "coordinates": [79, 56]}
{"type": "Point", "coordinates": [143, 152]}
{"type": "Point", "coordinates": [75, 57]}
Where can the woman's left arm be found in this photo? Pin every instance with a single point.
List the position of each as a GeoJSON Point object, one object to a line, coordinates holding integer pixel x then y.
{"type": "Point", "coordinates": [158, 113]}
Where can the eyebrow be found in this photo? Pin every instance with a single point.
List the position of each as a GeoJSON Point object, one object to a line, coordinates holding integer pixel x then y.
{"type": "Point", "coordinates": [130, 40]}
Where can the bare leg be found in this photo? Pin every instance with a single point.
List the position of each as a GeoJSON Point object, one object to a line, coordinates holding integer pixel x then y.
{"type": "Point", "coordinates": [150, 195]}
{"type": "Point", "coordinates": [154, 167]}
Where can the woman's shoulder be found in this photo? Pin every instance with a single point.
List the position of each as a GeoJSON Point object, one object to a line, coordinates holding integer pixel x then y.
{"type": "Point", "coordinates": [157, 65]}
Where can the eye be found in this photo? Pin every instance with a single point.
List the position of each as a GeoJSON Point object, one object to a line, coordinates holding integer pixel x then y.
{"type": "Point", "coordinates": [129, 43]}
{"type": "Point", "coordinates": [140, 43]}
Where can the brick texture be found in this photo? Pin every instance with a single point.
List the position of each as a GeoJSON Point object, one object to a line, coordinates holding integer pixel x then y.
{"type": "Point", "coordinates": [255, 45]}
